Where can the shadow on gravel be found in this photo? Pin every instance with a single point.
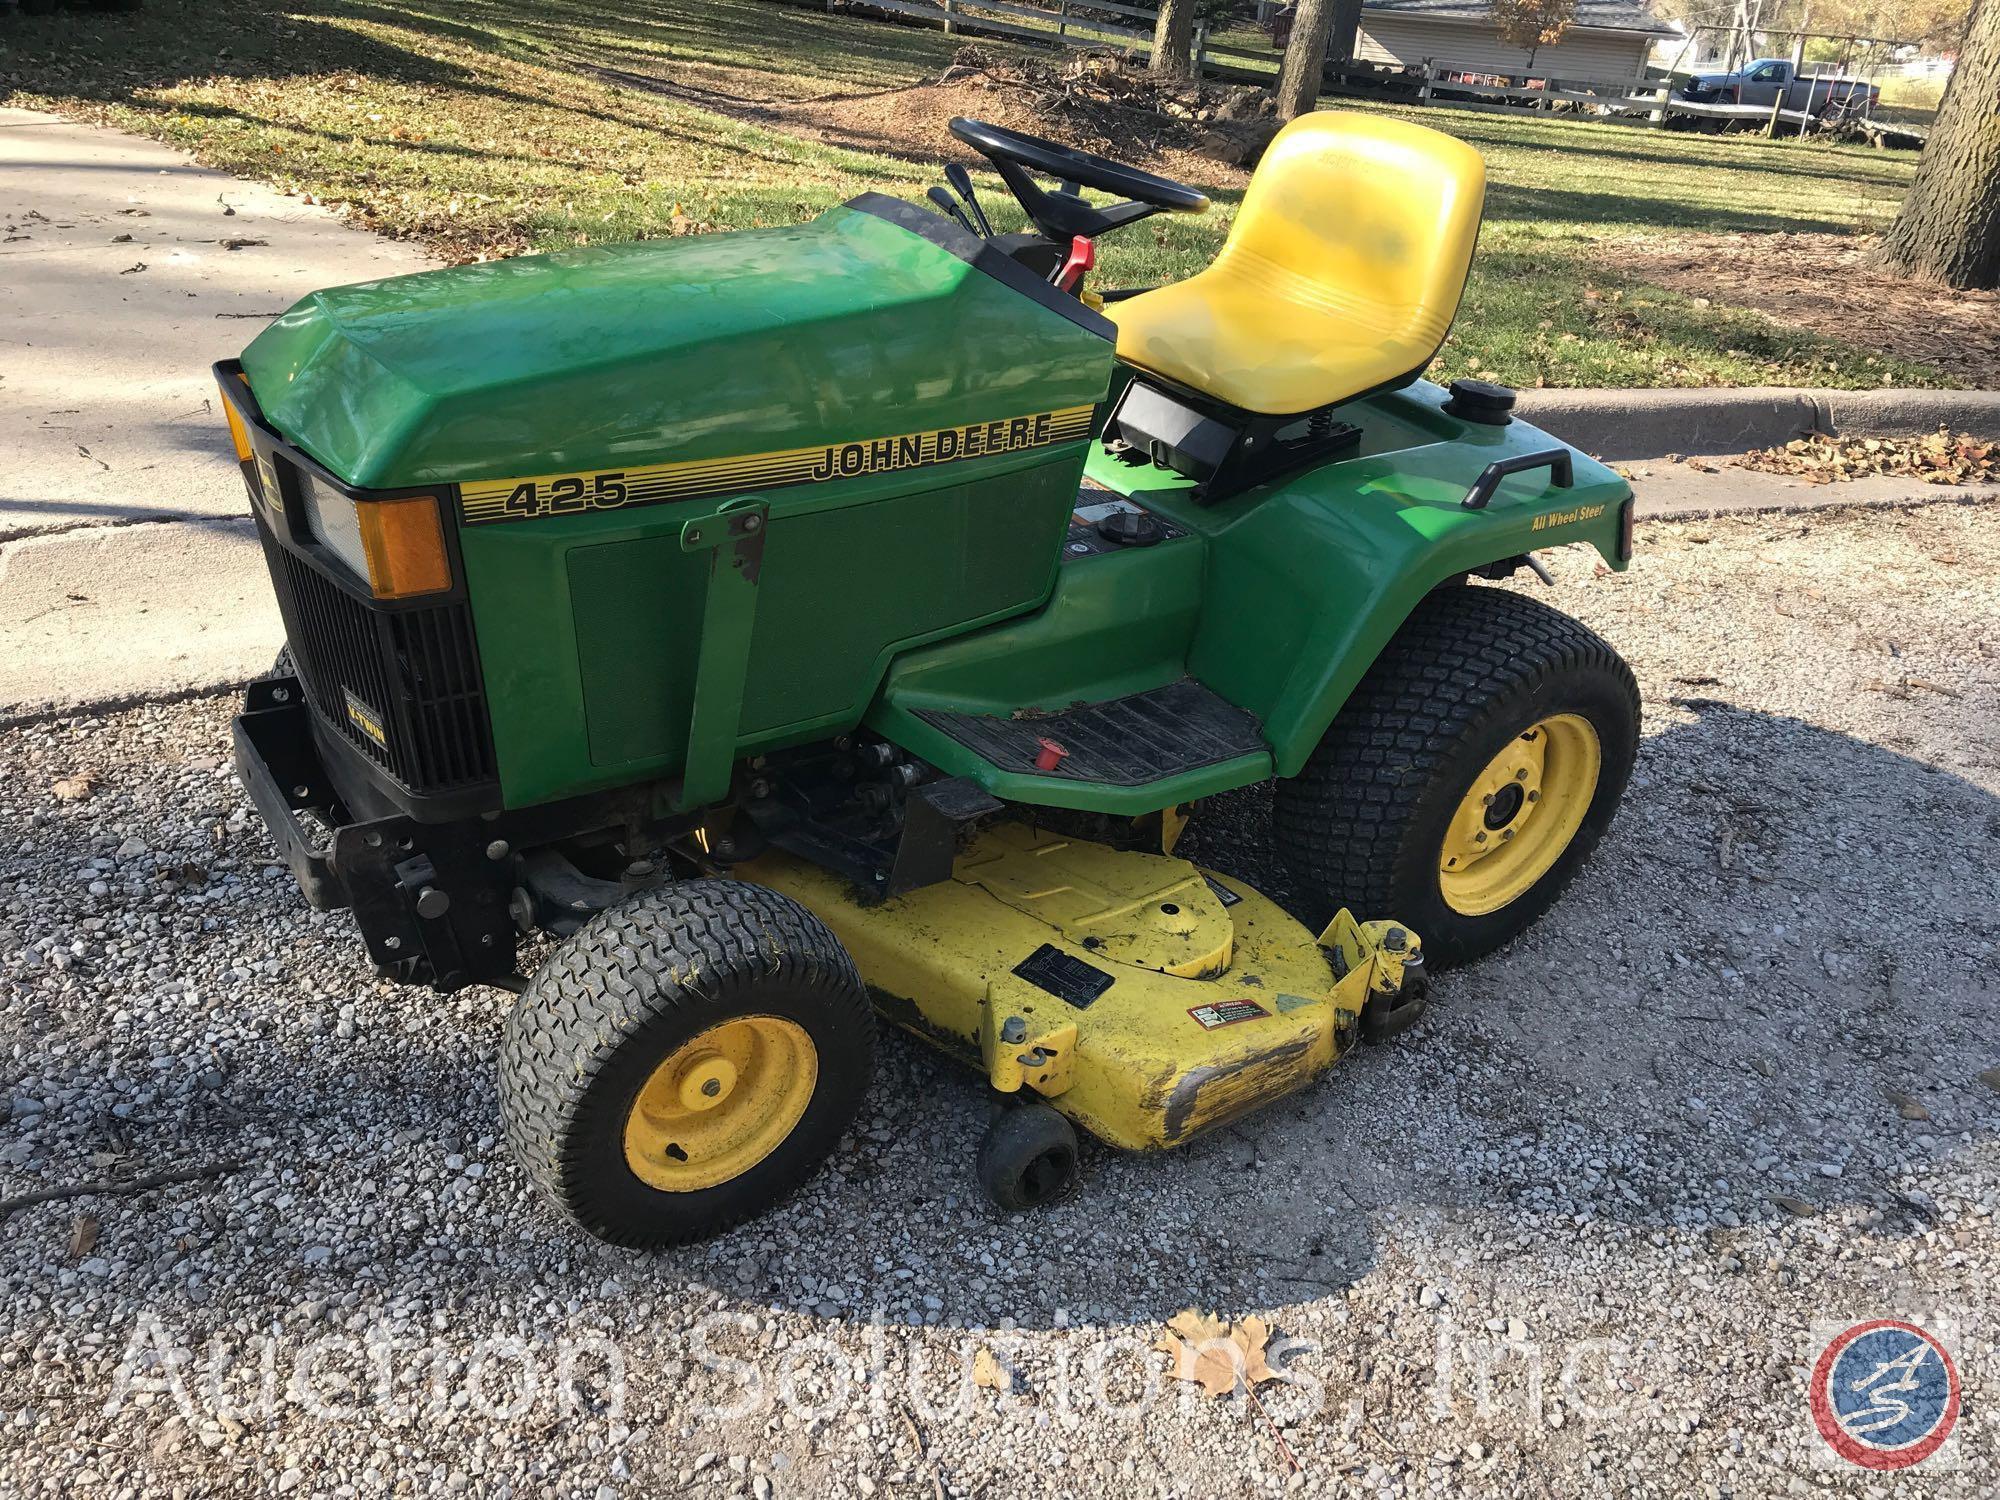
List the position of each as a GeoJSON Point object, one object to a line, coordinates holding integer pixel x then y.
{"type": "Point", "coordinates": [1763, 999]}
{"type": "Point", "coordinates": [1769, 995]}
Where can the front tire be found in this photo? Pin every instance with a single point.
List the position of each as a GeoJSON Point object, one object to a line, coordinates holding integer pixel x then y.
{"type": "Point", "coordinates": [684, 1061]}
{"type": "Point", "coordinates": [1468, 777]}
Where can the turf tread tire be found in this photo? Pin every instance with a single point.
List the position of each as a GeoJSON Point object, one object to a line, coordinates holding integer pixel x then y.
{"type": "Point", "coordinates": [1359, 825]}
{"type": "Point", "coordinates": [623, 991]}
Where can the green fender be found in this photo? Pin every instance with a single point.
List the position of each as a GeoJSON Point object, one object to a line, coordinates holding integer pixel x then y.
{"type": "Point", "coordinates": [1308, 585]}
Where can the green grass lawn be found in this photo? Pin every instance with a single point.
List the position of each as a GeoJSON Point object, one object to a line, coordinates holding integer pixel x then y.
{"type": "Point", "coordinates": [488, 127]}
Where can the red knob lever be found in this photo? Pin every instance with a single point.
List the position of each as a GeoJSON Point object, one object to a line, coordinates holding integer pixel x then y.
{"type": "Point", "coordinates": [1082, 256]}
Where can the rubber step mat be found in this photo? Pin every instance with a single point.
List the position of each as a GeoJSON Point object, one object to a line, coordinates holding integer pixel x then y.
{"type": "Point", "coordinates": [1130, 741]}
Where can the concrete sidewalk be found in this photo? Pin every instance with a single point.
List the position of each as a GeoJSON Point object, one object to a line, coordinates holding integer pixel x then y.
{"type": "Point", "coordinates": [127, 561]}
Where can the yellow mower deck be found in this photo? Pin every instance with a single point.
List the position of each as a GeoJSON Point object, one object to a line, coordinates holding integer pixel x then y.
{"type": "Point", "coordinates": [1145, 998]}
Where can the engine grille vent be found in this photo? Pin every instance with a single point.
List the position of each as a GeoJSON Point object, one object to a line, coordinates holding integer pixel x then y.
{"type": "Point", "coordinates": [413, 672]}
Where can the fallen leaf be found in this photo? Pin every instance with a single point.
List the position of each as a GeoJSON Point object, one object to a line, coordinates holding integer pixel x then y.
{"type": "Point", "coordinates": [1217, 1357]}
{"type": "Point", "coordinates": [74, 788]}
{"type": "Point", "coordinates": [1798, 1208]}
{"type": "Point", "coordinates": [987, 1371]}
{"type": "Point", "coordinates": [82, 1236]}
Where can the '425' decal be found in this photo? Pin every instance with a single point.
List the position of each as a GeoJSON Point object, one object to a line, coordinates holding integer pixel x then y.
{"type": "Point", "coordinates": [566, 495]}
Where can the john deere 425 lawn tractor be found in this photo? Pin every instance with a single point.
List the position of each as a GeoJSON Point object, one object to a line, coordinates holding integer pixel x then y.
{"type": "Point", "coordinates": [806, 625]}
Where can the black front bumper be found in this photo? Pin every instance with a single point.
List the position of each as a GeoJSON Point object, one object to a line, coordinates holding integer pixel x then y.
{"type": "Point", "coordinates": [281, 770]}
{"type": "Point", "coordinates": [431, 899]}
{"type": "Point", "coordinates": [435, 901]}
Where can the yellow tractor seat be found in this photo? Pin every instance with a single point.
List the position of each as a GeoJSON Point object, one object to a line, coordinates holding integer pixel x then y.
{"type": "Point", "coordinates": [1341, 274]}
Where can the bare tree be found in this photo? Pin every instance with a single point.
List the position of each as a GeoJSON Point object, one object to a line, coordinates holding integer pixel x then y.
{"type": "Point", "coordinates": [1305, 58]}
{"type": "Point", "coordinates": [1948, 228]}
{"type": "Point", "coordinates": [1173, 39]}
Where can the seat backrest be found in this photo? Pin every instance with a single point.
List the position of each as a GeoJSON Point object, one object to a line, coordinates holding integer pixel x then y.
{"type": "Point", "coordinates": [1370, 216]}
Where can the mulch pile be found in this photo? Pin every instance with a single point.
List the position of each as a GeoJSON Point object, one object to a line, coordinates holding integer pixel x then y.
{"type": "Point", "coordinates": [1094, 101]}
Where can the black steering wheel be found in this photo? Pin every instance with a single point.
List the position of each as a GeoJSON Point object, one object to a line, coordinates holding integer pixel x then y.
{"type": "Point", "coordinates": [1063, 215]}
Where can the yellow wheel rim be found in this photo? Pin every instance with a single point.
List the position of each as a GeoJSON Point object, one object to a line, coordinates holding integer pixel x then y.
{"type": "Point", "coordinates": [1519, 815]}
{"type": "Point", "coordinates": [721, 1103]}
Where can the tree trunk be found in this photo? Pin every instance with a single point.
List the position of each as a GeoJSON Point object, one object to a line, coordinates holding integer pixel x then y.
{"type": "Point", "coordinates": [1346, 31]}
{"type": "Point", "coordinates": [1948, 228]}
{"type": "Point", "coordinates": [1173, 39]}
{"type": "Point", "coordinates": [1305, 58]}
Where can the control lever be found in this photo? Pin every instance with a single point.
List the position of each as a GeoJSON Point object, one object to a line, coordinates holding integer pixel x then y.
{"type": "Point", "coordinates": [1081, 259]}
{"type": "Point", "coordinates": [961, 180]}
{"type": "Point", "coordinates": [951, 209]}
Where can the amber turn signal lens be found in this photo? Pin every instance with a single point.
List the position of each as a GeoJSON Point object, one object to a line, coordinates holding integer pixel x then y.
{"type": "Point", "coordinates": [404, 544]}
{"type": "Point", "coordinates": [237, 432]}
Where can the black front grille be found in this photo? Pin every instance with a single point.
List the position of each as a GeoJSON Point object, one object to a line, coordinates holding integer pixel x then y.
{"type": "Point", "coordinates": [415, 671]}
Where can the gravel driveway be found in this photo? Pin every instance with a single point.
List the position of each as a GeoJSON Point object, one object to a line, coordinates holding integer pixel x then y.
{"type": "Point", "coordinates": [1582, 1232]}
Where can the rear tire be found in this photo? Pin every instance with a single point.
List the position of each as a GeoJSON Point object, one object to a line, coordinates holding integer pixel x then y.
{"type": "Point", "coordinates": [1027, 1158]}
{"type": "Point", "coordinates": [1480, 686]}
{"type": "Point", "coordinates": [684, 1061]}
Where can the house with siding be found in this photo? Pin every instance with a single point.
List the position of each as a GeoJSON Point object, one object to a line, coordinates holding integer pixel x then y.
{"type": "Point", "coordinates": [1609, 39]}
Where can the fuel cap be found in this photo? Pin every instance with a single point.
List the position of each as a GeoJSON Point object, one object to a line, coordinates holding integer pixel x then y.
{"type": "Point", "coordinates": [1129, 528]}
{"type": "Point", "coordinates": [1480, 401]}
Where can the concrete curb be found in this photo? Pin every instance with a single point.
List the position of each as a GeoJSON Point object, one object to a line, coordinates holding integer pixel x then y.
{"type": "Point", "coordinates": [1894, 413]}
{"type": "Point", "coordinates": [1679, 508]}
{"type": "Point", "coordinates": [1621, 424]}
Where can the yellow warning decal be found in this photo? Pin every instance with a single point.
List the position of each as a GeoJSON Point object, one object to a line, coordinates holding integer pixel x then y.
{"type": "Point", "coordinates": [267, 478]}
{"type": "Point", "coordinates": [365, 719]}
{"type": "Point", "coordinates": [488, 500]}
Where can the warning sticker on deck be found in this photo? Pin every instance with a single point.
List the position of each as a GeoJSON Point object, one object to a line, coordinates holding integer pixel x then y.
{"type": "Point", "coordinates": [1227, 1013]}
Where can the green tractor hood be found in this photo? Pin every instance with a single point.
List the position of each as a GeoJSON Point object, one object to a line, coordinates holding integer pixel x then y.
{"type": "Point", "coordinates": [863, 322]}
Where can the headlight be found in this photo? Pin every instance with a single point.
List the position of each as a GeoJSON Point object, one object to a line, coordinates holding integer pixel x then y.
{"type": "Point", "coordinates": [396, 547]}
